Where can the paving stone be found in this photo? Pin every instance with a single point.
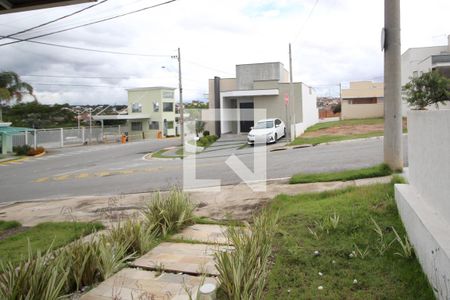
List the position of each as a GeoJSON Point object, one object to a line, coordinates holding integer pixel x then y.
{"type": "Point", "coordinates": [140, 284]}
{"type": "Point", "coordinates": [182, 257]}
{"type": "Point", "coordinates": [204, 233]}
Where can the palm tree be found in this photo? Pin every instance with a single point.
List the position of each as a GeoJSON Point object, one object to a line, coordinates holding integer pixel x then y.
{"type": "Point", "coordinates": [11, 87]}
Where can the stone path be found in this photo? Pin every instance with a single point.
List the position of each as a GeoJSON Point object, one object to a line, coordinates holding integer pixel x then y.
{"type": "Point", "coordinates": [170, 270]}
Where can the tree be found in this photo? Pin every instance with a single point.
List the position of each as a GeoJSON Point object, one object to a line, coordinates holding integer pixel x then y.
{"type": "Point", "coordinates": [11, 87]}
{"type": "Point", "coordinates": [336, 108]}
{"type": "Point", "coordinates": [429, 88]}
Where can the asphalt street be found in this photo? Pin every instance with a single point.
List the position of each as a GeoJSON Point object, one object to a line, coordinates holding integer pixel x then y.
{"type": "Point", "coordinates": [121, 169]}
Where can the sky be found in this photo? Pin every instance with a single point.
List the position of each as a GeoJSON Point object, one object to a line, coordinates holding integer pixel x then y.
{"type": "Point", "coordinates": [333, 41]}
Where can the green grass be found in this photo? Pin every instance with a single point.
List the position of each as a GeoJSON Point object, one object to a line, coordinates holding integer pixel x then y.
{"type": "Point", "coordinates": [305, 227]}
{"type": "Point", "coordinates": [375, 171]}
{"type": "Point", "coordinates": [325, 125]}
{"type": "Point", "coordinates": [5, 225]}
{"type": "Point", "coordinates": [333, 138]}
{"type": "Point", "coordinates": [41, 237]}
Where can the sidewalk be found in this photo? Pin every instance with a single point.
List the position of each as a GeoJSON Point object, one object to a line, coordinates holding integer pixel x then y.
{"type": "Point", "coordinates": [234, 201]}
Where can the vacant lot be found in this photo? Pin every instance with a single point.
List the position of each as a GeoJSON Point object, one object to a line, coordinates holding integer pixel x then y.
{"type": "Point", "coordinates": [343, 245]}
{"type": "Point", "coordinates": [342, 130]}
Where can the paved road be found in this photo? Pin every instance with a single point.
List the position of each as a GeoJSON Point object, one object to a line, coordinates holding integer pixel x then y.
{"type": "Point", "coordinates": [121, 169]}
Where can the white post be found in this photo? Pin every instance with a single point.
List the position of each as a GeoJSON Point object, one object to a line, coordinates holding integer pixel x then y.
{"type": "Point", "coordinates": [83, 139]}
{"type": "Point", "coordinates": [35, 139]}
{"type": "Point", "coordinates": [62, 137]}
{"type": "Point", "coordinates": [120, 134]}
{"type": "Point", "coordinates": [26, 137]}
{"type": "Point", "coordinates": [103, 131]}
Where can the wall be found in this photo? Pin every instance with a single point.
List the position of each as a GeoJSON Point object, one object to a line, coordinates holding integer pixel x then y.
{"type": "Point", "coordinates": [364, 89]}
{"type": "Point", "coordinates": [361, 111]}
{"type": "Point", "coordinates": [424, 203]}
{"type": "Point", "coordinates": [309, 108]}
{"type": "Point", "coordinates": [247, 74]}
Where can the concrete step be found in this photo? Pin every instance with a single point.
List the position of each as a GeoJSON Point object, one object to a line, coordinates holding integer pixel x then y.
{"type": "Point", "coordinates": [204, 233]}
{"type": "Point", "coordinates": [129, 284]}
{"type": "Point", "coordinates": [194, 259]}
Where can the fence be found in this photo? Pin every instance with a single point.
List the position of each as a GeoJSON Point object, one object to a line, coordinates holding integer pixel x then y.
{"type": "Point", "coordinates": [62, 137]}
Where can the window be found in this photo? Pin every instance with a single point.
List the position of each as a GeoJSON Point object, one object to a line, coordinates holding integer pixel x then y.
{"type": "Point", "coordinates": [277, 122]}
{"type": "Point", "coordinates": [153, 125]}
{"type": "Point", "coordinates": [136, 126]}
{"type": "Point", "coordinates": [136, 108]}
{"type": "Point", "coordinates": [170, 125]}
{"type": "Point", "coordinates": [168, 94]}
{"type": "Point", "coordinates": [155, 106]}
{"type": "Point", "coordinates": [363, 101]}
{"type": "Point", "coordinates": [168, 106]}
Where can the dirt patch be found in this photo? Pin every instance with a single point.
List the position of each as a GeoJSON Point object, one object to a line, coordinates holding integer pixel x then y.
{"type": "Point", "coordinates": [346, 130]}
{"type": "Point", "coordinates": [12, 231]}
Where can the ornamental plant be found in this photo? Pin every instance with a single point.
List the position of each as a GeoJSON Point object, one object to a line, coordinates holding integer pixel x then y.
{"type": "Point", "coordinates": [427, 89]}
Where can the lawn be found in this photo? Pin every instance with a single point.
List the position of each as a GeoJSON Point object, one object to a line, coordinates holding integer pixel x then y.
{"type": "Point", "coordinates": [5, 225]}
{"type": "Point", "coordinates": [375, 171]}
{"type": "Point", "coordinates": [342, 130]}
{"type": "Point", "coordinates": [350, 262]}
{"type": "Point", "coordinates": [41, 237]}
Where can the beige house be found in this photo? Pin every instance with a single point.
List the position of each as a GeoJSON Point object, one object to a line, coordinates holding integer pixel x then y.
{"type": "Point", "coordinates": [151, 112]}
{"type": "Point", "coordinates": [260, 86]}
{"type": "Point", "coordinates": [363, 99]}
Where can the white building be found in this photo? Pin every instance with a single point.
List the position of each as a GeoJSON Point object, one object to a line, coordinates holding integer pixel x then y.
{"type": "Point", "coordinates": [256, 87]}
{"type": "Point", "coordinates": [416, 61]}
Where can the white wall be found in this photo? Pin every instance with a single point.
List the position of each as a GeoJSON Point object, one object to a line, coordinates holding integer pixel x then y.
{"type": "Point", "coordinates": [424, 203]}
{"type": "Point", "coordinates": [310, 113]}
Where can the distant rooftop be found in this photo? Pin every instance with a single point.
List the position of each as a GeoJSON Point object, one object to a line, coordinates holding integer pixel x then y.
{"type": "Point", "coordinates": [151, 88]}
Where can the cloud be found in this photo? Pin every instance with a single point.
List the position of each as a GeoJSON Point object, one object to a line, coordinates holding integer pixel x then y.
{"type": "Point", "coordinates": [339, 43]}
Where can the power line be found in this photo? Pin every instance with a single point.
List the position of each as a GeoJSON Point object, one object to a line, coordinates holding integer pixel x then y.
{"type": "Point", "coordinates": [93, 50]}
{"type": "Point", "coordinates": [306, 21]}
{"type": "Point", "coordinates": [52, 21]}
{"type": "Point", "coordinates": [16, 40]}
{"type": "Point", "coordinates": [206, 67]}
{"type": "Point", "coordinates": [64, 76]}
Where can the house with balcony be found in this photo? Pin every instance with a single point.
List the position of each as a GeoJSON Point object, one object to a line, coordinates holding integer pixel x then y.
{"type": "Point", "coordinates": [256, 87]}
{"type": "Point", "coordinates": [363, 99]}
{"type": "Point", "coordinates": [151, 113]}
{"type": "Point", "coordinates": [416, 61]}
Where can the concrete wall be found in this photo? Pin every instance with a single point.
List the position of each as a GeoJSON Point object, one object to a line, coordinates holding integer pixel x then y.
{"type": "Point", "coordinates": [361, 111]}
{"type": "Point", "coordinates": [364, 89]}
{"type": "Point", "coordinates": [310, 112]}
{"type": "Point", "coordinates": [424, 203]}
{"type": "Point", "coordinates": [247, 74]}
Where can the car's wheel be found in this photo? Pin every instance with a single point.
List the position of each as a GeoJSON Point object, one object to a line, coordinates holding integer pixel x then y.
{"type": "Point", "coordinates": [284, 132]}
{"type": "Point", "coordinates": [276, 138]}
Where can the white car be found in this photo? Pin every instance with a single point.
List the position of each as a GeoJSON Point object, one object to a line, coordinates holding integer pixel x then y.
{"type": "Point", "coordinates": [267, 131]}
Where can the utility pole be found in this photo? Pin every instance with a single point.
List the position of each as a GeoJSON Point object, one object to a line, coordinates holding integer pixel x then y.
{"type": "Point", "coordinates": [391, 43]}
{"type": "Point", "coordinates": [293, 133]}
{"type": "Point", "coordinates": [181, 121]}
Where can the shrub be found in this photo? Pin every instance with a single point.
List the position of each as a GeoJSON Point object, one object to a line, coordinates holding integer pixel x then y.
{"type": "Point", "coordinates": [168, 213]}
{"type": "Point", "coordinates": [206, 133]}
{"type": "Point", "coordinates": [243, 271]}
{"type": "Point", "coordinates": [139, 237]}
{"type": "Point", "coordinates": [35, 151]}
{"type": "Point", "coordinates": [429, 88]}
{"type": "Point", "coordinates": [21, 150]}
{"type": "Point", "coordinates": [36, 278]}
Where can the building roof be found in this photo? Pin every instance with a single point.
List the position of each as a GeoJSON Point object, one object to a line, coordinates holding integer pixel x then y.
{"type": "Point", "coordinates": [151, 88]}
{"type": "Point", "coordinates": [12, 6]}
